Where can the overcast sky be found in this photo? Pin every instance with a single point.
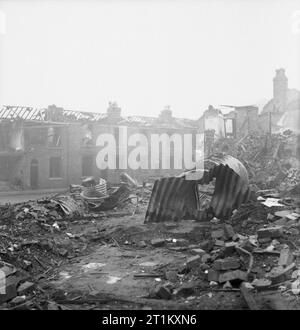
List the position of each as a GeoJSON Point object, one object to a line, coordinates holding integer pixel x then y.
{"type": "Point", "coordinates": [146, 54]}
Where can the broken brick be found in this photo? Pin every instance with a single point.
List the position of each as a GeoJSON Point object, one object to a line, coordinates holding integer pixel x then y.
{"type": "Point", "coordinates": [142, 244]}
{"type": "Point", "coordinates": [25, 288]}
{"type": "Point", "coordinates": [27, 264]}
{"type": "Point", "coordinates": [264, 240]}
{"type": "Point", "coordinates": [171, 275]}
{"type": "Point", "coordinates": [226, 264]}
{"type": "Point", "coordinates": [294, 231]}
{"type": "Point", "coordinates": [204, 267]}
{"type": "Point", "coordinates": [227, 285]}
{"type": "Point", "coordinates": [217, 233]}
{"type": "Point", "coordinates": [228, 232]}
{"type": "Point", "coordinates": [18, 300]}
{"type": "Point", "coordinates": [215, 220]}
{"type": "Point", "coordinates": [187, 289]}
{"type": "Point", "coordinates": [161, 292]}
{"type": "Point", "coordinates": [52, 306]}
{"type": "Point", "coordinates": [261, 283]}
{"type": "Point", "coordinates": [63, 252]}
{"type": "Point", "coordinates": [213, 275]}
{"type": "Point", "coordinates": [193, 262]}
{"type": "Point", "coordinates": [286, 257]}
{"type": "Point", "coordinates": [229, 248]}
{"type": "Point", "coordinates": [10, 290]}
{"type": "Point", "coordinates": [178, 248]}
{"type": "Point", "coordinates": [233, 275]}
{"type": "Point", "coordinates": [198, 252]}
{"type": "Point", "coordinates": [282, 214]}
{"type": "Point", "coordinates": [279, 274]}
{"type": "Point", "coordinates": [193, 246]}
{"type": "Point", "coordinates": [205, 258]}
{"type": "Point", "coordinates": [181, 242]}
{"type": "Point", "coordinates": [281, 222]}
{"type": "Point", "coordinates": [248, 246]}
{"type": "Point", "coordinates": [205, 244]}
{"type": "Point", "coordinates": [270, 232]}
{"type": "Point", "coordinates": [291, 223]}
{"type": "Point", "coordinates": [158, 242]}
{"type": "Point", "coordinates": [219, 243]}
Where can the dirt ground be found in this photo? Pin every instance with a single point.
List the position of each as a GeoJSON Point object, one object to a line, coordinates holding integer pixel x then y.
{"type": "Point", "coordinates": [109, 269]}
{"type": "Point", "coordinates": [109, 261]}
{"type": "Point", "coordinates": [21, 197]}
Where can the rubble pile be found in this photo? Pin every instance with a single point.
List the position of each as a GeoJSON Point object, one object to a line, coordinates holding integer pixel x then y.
{"type": "Point", "coordinates": [46, 210]}
{"type": "Point", "coordinates": [248, 253]}
{"type": "Point", "coordinates": [233, 264]}
{"type": "Point", "coordinates": [256, 250]}
{"type": "Point", "coordinates": [127, 198]}
{"type": "Point", "coordinates": [35, 236]}
{"type": "Point", "coordinates": [271, 160]}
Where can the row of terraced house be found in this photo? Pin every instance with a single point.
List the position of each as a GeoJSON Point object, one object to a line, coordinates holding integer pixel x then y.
{"type": "Point", "coordinates": [54, 147]}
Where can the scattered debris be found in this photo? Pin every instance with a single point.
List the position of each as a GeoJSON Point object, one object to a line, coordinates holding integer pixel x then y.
{"type": "Point", "coordinates": [160, 292]}
{"type": "Point", "coordinates": [193, 262]}
{"type": "Point", "coordinates": [270, 232]}
{"type": "Point", "coordinates": [248, 245]}
{"type": "Point", "coordinates": [158, 242]}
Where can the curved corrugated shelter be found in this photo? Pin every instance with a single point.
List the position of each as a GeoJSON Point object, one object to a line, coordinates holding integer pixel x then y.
{"type": "Point", "coordinates": [177, 198]}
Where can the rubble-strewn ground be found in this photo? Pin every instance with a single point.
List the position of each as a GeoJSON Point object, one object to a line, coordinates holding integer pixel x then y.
{"type": "Point", "coordinates": [56, 255]}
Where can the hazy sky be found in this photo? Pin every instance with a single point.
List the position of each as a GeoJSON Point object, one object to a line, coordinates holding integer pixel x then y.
{"type": "Point", "coordinates": [146, 54]}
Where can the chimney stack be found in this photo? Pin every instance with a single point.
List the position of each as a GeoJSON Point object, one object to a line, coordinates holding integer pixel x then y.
{"type": "Point", "coordinates": [280, 87]}
{"type": "Point", "coordinates": [113, 112]}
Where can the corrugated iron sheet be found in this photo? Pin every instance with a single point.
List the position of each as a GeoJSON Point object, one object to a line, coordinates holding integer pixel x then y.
{"type": "Point", "coordinates": [69, 206]}
{"type": "Point", "coordinates": [172, 199]}
{"type": "Point", "coordinates": [177, 198]}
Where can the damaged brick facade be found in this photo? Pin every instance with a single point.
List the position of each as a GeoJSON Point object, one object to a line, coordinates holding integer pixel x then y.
{"type": "Point", "coordinates": [57, 147]}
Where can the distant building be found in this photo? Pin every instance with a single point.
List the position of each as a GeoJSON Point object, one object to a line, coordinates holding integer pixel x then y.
{"type": "Point", "coordinates": [280, 113]}
{"type": "Point", "coordinates": [242, 120]}
{"type": "Point", "coordinates": [212, 119]}
{"type": "Point", "coordinates": [283, 110]}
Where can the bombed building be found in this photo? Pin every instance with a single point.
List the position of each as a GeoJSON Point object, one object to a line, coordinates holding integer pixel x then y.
{"type": "Point", "coordinates": [182, 197]}
{"type": "Point", "coordinates": [52, 147]}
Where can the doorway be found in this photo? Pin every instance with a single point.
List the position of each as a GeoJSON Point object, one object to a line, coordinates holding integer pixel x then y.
{"type": "Point", "coordinates": [34, 174]}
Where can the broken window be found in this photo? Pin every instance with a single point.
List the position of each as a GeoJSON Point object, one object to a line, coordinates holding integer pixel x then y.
{"type": "Point", "coordinates": [16, 140]}
{"type": "Point", "coordinates": [55, 167]}
{"type": "Point", "coordinates": [35, 136]}
{"type": "Point", "coordinates": [229, 127]}
{"type": "Point", "coordinates": [87, 139]}
{"type": "Point", "coordinates": [87, 165]}
{"type": "Point", "coordinates": [54, 136]}
{"type": "Point", "coordinates": [3, 138]}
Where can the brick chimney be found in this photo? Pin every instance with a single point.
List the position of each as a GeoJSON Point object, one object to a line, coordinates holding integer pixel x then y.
{"type": "Point", "coordinates": [113, 112]}
{"type": "Point", "coordinates": [165, 115]}
{"type": "Point", "coordinates": [280, 87]}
